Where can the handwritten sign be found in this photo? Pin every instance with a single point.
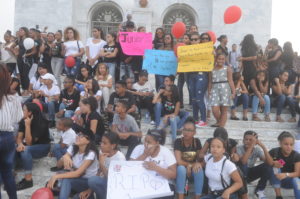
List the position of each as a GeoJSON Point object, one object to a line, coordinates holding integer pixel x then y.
{"type": "Point", "coordinates": [130, 180]}
{"type": "Point", "coordinates": [195, 58]}
{"type": "Point", "coordinates": [160, 62]}
{"type": "Point", "coordinates": [135, 43]}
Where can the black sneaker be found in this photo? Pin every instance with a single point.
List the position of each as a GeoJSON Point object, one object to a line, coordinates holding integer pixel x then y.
{"type": "Point", "coordinates": [279, 197]}
{"type": "Point", "coordinates": [55, 169]}
{"type": "Point", "coordinates": [24, 184]}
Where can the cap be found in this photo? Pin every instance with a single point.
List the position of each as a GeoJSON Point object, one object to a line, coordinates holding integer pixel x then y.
{"type": "Point", "coordinates": [49, 76]}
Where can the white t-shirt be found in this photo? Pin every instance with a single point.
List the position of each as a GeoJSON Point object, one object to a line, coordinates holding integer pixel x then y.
{"type": "Point", "coordinates": [164, 159]}
{"type": "Point", "coordinates": [54, 90]}
{"type": "Point", "coordinates": [94, 48]}
{"type": "Point", "coordinates": [68, 137]}
{"type": "Point", "coordinates": [99, 93]}
{"type": "Point", "coordinates": [147, 87]}
{"type": "Point", "coordinates": [119, 156]}
{"type": "Point", "coordinates": [72, 47]}
{"type": "Point", "coordinates": [36, 84]}
{"type": "Point", "coordinates": [213, 171]}
{"type": "Point", "coordinates": [78, 160]}
{"type": "Point", "coordinates": [7, 56]}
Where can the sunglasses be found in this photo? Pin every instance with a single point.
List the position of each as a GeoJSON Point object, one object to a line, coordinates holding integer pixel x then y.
{"type": "Point", "coordinates": [194, 39]}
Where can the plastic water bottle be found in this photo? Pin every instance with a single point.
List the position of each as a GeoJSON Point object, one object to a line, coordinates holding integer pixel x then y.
{"type": "Point", "coordinates": [186, 188]}
{"type": "Point", "coordinates": [147, 117]}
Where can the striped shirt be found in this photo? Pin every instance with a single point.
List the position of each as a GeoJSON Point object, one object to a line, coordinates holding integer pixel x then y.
{"type": "Point", "coordinates": [10, 113]}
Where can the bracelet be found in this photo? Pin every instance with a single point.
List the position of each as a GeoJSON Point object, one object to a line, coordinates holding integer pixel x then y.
{"type": "Point", "coordinates": [287, 175]}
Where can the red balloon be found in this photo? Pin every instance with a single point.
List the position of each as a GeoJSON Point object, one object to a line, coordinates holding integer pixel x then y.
{"type": "Point", "coordinates": [212, 36]}
{"type": "Point", "coordinates": [70, 61]}
{"type": "Point", "coordinates": [178, 29]}
{"type": "Point", "coordinates": [176, 47]}
{"type": "Point", "coordinates": [232, 14]}
{"type": "Point", "coordinates": [42, 193]}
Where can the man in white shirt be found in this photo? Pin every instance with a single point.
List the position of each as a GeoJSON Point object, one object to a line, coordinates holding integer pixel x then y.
{"type": "Point", "coordinates": [234, 56]}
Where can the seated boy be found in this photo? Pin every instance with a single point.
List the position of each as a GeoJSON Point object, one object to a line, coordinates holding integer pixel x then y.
{"type": "Point", "coordinates": [126, 127]}
{"type": "Point", "coordinates": [67, 139]}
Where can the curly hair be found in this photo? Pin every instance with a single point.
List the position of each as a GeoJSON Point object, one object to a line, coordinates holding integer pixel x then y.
{"type": "Point", "coordinates": [248, 46]}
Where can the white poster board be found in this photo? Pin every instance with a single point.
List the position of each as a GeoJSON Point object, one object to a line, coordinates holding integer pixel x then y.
{"type": "Point", "coordinates": [130, 180]}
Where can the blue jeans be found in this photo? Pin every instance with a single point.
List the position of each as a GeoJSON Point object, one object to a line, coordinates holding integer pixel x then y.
{"type": "Point", "coordinates": [210, 196]}
{"type": "Point", "coordinates": [181, 178]}
{"type": "Point", "coordinates": [98, 185]}
{"type": "Point", "coordinates": [74, 70]}
{"type": "Point", "coordinates": [255, 103]}
{"type": "Point", "coordinates": [159, 81]}
{"type": "Point", "coordinates": [76, 184]}
{"type": "Point", "coordinates": [173, 121]}
{"type": "Point", "coordinates": [183, 115]}
{"type": "Point", "coordinates": [68, 113]}
{"type": "Point", "coordinates": [51, 110]}
{"type": "Point", "coordinates": [287, 183]}
{"type": "Point", "coordinates": [242, 99]}
{"type": "Point", "coordinates": [281, 101]}
{"type": "Point", "coordinates": [112, 69]}
{"type": "Point", "coordinates": [34, 151]}
{"type": "Point", "coordinates": [197, 86]}
{"type": "Point", "coordinates": [58, 152]}
{"type": "Point", "coordinates": [126, 70]}
{"type": "Point", "coordinates": [7, 154]}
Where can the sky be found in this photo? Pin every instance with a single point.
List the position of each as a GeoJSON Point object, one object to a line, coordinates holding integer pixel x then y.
{"type": "Point", "coordinates": [285, 16]}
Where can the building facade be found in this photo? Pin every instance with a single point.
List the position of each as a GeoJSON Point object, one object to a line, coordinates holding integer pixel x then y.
{"type": "Point", "coordinates": [108, 14]}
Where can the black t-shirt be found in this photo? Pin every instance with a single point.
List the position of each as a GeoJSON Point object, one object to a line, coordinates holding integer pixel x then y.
{"type": "Point", "coordinates": [179, 146]}
{"type": "Point", "coordinates": [168, 105]}
{"type": "Point", "coordinates": [111, 49]}
{"type": "Point", "coordinates": [230, 145]}
{"type": "Point", "coordinates": [188, 154]}
{"type": "Point", "coordinates": [56, 50]}
{"type": "Point", "coordinates": [122, 55]}
{"type": "Point", "coordinates": [115, 98]}
{"type": "Point", "coordinates": [72, 99]}
{"type": "Point", "coordinates": [272, 54]}
{"type": "Point", "coordinates": [290, 161]}
{"type": "Point", "coordinates": [39, 131]}
{"type": "Point", "coordinates": [37, 44]}
{"type": "Point", "coordinates": [22, 49]}
{"type": "Point", "coordinates": [93, 116]}
{"type": "Point", "coordinates": [158, 43]}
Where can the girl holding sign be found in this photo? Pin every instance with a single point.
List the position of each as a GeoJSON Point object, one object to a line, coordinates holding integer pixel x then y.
{"type": "Point", "coordinates": [221, 90]}
{"type": "Point", "coordinates": [157, 157]}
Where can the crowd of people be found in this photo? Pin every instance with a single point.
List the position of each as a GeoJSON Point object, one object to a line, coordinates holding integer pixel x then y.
{"type": "Point", "coordinates": [98, 106]}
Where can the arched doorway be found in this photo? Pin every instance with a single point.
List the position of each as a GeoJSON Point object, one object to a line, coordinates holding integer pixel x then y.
{"type": "Point", "coordinates": [176, 14]}
{"type": "Point", "coordinates": [107, 17]}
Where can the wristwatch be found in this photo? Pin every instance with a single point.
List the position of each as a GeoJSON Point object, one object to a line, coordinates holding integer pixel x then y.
{"type": "Point", "coordinates": [287, 175]}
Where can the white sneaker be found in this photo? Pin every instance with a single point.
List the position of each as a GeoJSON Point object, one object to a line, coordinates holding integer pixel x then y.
{"type": "Point", "coordinates": [152, 122]}
{"type": "Point", "coordinates": [261, 194]}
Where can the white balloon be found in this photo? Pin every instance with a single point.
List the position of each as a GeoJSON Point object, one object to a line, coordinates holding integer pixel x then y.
{"type": "Point", "coordinates": [28, 43]}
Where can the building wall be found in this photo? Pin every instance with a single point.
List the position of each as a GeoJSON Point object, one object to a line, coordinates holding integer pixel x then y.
{"type": "Point", "coordinates": [256, 19]}
{"type": "Point", "coordinates": [56, 14]}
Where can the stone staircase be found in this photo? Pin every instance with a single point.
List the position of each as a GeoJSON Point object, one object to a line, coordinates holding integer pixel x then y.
{"type": "Point", "coordinates": [267, 132]}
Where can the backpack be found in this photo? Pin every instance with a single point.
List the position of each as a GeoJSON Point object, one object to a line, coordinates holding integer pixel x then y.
{"type": "Point", "coordinates": [243, 189]}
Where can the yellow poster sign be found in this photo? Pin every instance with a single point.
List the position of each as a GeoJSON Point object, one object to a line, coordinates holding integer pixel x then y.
{"type": "Point", "coordinates": [195, 58]}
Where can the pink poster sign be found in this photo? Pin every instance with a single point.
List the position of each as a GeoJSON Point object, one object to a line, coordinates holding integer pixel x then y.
{"type": "Point", "coordinates": [135, 43]}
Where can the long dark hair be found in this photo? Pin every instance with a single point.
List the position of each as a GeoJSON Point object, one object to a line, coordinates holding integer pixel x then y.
{"type": "Point", "coordinates": [248, 46]}
{"type": "Point", "coordinates": [296, 90]}
{"type": "Point", "coordinates": [101, 32]}
{"type": "Point", "coordinates": [40, 65]}
{"type": "Point", "coordinates": [39, 122]}
{"type": "Point", "coordinates": [266, 76]}
{"type": "Point", "coordinates": [172, 40]}
{"type": "Point", "coordinates": [288, 54]}
{"type": "Point", "coordinates": [26, 31]}
{"type": "Point", "coordinates": [95, 86]}
{"type": "Point", "coordinates": [175, 93]}
{"type": "Point", "coordinates": [5, 80]}
{"type": "Point", "coordinates": [80, 76]}
{"type": "Point", "coordinates": [156, 37]}
{"type": "Point", "coordinates": [91, 146]}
